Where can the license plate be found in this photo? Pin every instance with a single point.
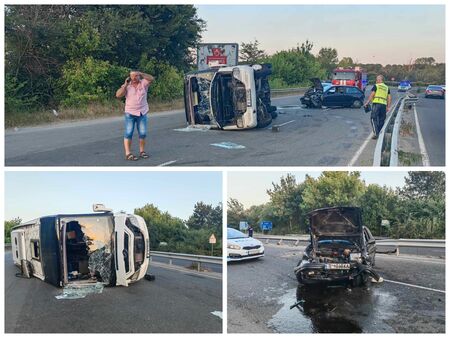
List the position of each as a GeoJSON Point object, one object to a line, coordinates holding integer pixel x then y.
{"type": "Point", "coordinates": [339, 266]}
{"type": "Point", "coordinates": [252, 252]}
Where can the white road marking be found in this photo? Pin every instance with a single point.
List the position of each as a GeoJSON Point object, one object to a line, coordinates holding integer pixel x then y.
{"type": "Point", "coordinates": [423, 149]}
{"type": "Point", "coordinates": [285, 123]}
{"type": "Point", "coordinates": [359, 151]}
{"type": "Point", "coordinates": [165, 164]}
{"type": "Point", "coordinates": [363, 146]}
{"type": "Point", "coordinates": [217, 313]}
{"type": "Point", "coordinates": [414, 286]}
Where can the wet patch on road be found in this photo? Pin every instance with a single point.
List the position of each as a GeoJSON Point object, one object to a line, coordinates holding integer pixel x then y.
{"type": "Point", "coordinates": [334, 310]}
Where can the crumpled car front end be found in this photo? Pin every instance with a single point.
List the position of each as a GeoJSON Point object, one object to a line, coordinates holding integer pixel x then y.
{"type": "Point", "coordinates": [338, 253]}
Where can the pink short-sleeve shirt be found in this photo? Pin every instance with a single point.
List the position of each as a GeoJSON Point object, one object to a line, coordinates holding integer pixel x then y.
{"type": "Point", "coordinates": [136, 98]}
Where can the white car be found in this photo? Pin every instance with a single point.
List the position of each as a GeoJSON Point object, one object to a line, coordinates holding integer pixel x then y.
{"type": "Point", "coordinates": [241, 247]}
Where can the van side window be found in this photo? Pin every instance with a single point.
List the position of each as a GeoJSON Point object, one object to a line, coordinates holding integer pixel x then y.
{"type": "Point", "coordinates": [35, 249]}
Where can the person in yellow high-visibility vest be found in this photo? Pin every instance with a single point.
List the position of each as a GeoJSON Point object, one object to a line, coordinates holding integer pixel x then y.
{"type": "Point", "coordinates": [381, 103]}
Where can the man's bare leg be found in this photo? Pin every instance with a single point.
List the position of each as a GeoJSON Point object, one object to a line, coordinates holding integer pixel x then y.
{"type": "Point", "coordinates": [127, 146]}
{"type": "Point", "coordinates": [141, 145]}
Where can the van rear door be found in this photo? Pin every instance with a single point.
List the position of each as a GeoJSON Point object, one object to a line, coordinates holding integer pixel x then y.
{"type": "Point", "coordinates": [124, 250]}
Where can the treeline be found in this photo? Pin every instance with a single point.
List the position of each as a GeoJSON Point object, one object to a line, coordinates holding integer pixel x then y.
{"type": "Point", "coordinates": [415, 211]}
{"type": "Point", "coordinates": [73, 55]}
{"type": "Point", "coordinates": [296, 66]}
{"type": "Point", "coordinates": [169, 233]}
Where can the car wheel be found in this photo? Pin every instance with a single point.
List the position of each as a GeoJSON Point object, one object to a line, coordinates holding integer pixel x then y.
{"type": "Point", "coordinates": [357, 104]}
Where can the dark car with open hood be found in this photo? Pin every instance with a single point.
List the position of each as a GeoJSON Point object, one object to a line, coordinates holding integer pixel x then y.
{"type": "Point", "coordinates": [342, 250]}
{"type": "Point", "coordinates": [338, 96]}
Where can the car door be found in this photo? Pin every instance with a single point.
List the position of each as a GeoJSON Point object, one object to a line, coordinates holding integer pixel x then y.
{"type": "Point", "coordinates": [123, 253]}
{"type": "Point", "coordinates": [329, 97]}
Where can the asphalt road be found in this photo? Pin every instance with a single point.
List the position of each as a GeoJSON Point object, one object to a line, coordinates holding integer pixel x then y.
{"type": "Point", "coordinates": [260, 294]}
{"type": "Point", "coordinates": [431, 115]}
{"type": "Point", "coordinates": [307, 137]}
{"type": "Point", "coordinates": [176, 302]}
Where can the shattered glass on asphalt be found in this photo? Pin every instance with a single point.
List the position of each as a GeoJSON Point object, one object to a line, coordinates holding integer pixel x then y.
{"type": "Point", "coordinates": [74, 291]}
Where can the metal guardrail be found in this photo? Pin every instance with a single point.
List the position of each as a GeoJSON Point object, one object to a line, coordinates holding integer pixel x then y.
{"type": "Point", "coordinates": [287, 90]}
{"type": "Point", "coordinates": [199, 259]}
{"type": "Point", "coordinates": [386, 149]}
{"type": "Point", "coordinates": [397, 243]}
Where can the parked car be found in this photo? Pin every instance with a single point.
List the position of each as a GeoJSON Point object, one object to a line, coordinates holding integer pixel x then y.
{"type": "Point", "coordinates": [435, 91]}
{"type": "Point", "coordinates": [332, 96]}
{"type": "Point", "coordinates": [241, 247]}
{"type": "Point", "coordinates": [229, 97]}
{"type": "Point", "coordinates": [404, 86]}
{"type": "Point", "coordinates": [341, 251]}
{"type": "Point", "coordinates": [110, 248]}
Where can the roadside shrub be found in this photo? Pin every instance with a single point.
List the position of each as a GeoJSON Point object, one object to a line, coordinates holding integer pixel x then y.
{"type": "Point", "coordinates": [17, 96]}
{"type": "Point", "coordinates": [90, 80]}
{"type": "Point", "coordinates": [168, 83]}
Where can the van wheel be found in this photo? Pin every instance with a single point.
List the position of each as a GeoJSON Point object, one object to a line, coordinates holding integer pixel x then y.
{"type": "Point", "coordinates": [263, 116]}
{"type": "Point", "coordinates": [357, 104]}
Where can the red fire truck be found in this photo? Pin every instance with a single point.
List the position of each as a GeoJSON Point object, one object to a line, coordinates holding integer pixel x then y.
{"type": "Point", "coordinates": [350, 77]}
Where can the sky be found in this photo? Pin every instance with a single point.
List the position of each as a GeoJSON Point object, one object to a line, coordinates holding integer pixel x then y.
{"type": "Point", "coordinates": [30, 195]}
{"type": "Point", "coordinates": [386, 34]}
{"type": "Point", "coordinates": [250, 188]}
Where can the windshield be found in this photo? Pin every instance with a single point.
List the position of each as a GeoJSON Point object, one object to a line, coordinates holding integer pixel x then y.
{"type": "Point", "coordinates": [404, 83]}
{"type": "Point", "coordinates": [434, 88]}
{"type": "Point", "coordinates": [343, 76]}
{"type": "Point", "coordinates": [233, 234]}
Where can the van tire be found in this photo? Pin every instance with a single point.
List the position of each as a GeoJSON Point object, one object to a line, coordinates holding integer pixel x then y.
{"type": "Point", "coordinates": [264, 118]}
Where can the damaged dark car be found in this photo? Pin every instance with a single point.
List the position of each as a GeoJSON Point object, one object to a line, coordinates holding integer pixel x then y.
{"type": "Point", "coordinates": [229, 98]}
{"type": "Point", "coordinates": [339, 96]}
{"type": "Point", "coordinates": [342, 250]}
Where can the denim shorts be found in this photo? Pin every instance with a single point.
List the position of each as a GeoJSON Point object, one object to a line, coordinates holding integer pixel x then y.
{"type": "Point", "coordinates": [131, 121]}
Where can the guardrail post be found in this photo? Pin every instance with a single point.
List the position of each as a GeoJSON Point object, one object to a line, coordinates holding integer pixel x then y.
{"type": "Point", "coordinates": [280, 242]}
{"type": "Point", "coordinates": [267, 241]}
{"type": "Point", "coordinates": [170, 261]}
{"type": "Point", "coordinates": [198, 267]}
{"type": "Point", "coordinates": [397, 250]}
{"type": "Point", "coordinates": [297, 242]}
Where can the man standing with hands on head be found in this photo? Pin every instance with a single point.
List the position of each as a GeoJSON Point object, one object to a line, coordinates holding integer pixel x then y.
{"type": "Point", "coordinates": [381, 103]}
{"type": "Point", "coordinates": [135, 90]}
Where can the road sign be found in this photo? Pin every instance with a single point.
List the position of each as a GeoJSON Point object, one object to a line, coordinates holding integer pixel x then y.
{"type": "Point", "coordinates": [212, 239]}
{"type": "Point", "coordinates": [243, 225]}
{"type": "Point", "coordinates": [217, 54]}
{"type": "Point", "coordinates": [266, 225]}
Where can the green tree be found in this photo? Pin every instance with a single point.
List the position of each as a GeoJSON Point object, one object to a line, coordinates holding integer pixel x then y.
{"type": "Point", "coordinates": [332, 188]}
{"type": "Point", "coordinates": [346, 62]}
{"type": "Point", "coordinates": [328, 59]}
{"type": "Point", "coordinates": [235, 213]}
{"type": "Point", "coordinates": [250, 52]}
{"type": "Point", "coordinates": [424, 185]}
{"type": "Point", "coordinates": [286, 198]}
{"type": "Point", "coordinates": [8, 227]}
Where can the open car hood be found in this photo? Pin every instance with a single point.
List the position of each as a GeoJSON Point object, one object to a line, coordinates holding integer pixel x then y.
{"type": "Point", "coordinates": [336, 221]}
{"type": "Point", "coordinates": [317, 83]}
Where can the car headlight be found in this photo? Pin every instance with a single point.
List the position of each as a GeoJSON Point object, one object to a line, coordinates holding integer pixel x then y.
{"type": "Point", "coordinates": [233, 247]}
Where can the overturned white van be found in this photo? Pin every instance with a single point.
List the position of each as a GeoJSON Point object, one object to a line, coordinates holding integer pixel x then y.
{"type": "Point", "coordinates": [113, 249]}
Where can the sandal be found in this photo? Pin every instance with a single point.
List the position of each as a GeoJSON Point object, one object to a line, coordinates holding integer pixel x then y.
{"type": "Point", "coordinates": [131, 157]}
{"type": "Point", "coordinates": [143, 154]}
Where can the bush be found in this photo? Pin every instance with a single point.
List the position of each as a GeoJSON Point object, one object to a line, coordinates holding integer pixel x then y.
{"type": "Point", "coordinates": [168, 83]}
{"type": "Point", "coordinates": [90, 80]}
{"type": "Point", "coordinates": [17, 97]}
